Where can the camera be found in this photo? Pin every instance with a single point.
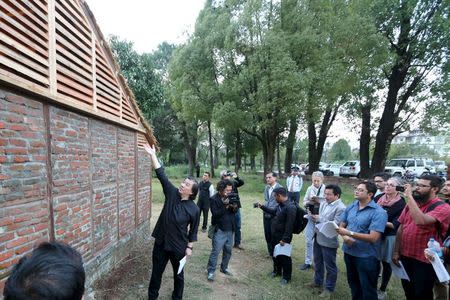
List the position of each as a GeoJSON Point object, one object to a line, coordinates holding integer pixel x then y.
{"type": "Point", "coordinates": [229, 173]}
{"type": "Point", "coordinates": [400, 188]}
{"type": "Point", "coordinates": [313, 208]}
{"type": "Point", "coordinates": [233, 198]}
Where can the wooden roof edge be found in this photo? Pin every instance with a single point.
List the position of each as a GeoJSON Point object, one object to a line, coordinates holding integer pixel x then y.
{"type": "Point", "coordinates": [149, 131]}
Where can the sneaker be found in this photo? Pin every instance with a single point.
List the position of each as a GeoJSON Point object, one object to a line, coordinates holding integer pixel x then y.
{"type": "Point", "coordinates": [305, 267]}
{"type": "Point", "coordinates": [326, 294]}
{"type": "Point", "coordinates": [273, 274]}
{"type": "Point", "coordinates": [203, 230]}
{"type": "Point", "coordinates": [238, 247]}
{"type": "Point", "coordinates": [381, 295]}
{"type": "Point", "coordinates": [313, 285]}
{"type": "Point", "coordinates": [283, 282]}
{"type": "Point", "coordinates": [210, 276]}
{"type": "Point", "coordinates": [226, 272]}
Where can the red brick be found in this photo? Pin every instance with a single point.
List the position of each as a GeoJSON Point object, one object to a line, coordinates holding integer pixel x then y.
{"type": "Point", "coordinates": [18, 143]}
{"type": "Point", "coordinates": [6, 221]}
{"type": "Point", "coordinates": [22, 219]}
{"type": "Point", "coordinates": [16, 242]}
{"type": "Point", "coordinates": [3, 158]}
{"type": "Point", "coordinates": [3, 177]}
{"type": "Point", "coordinates": [37, 144]}
{"type": "Point", "coordinates": [40, 227]}
{"type": "Point", "coordinates": [3, 142]}
{"type": "Point", "coordinates": [20, 151]}
{"type": "Point", "coordinates": [25, 231]}
{"type": "Point", "coordinates": [71, 133]}
{"type": "Point", "coordinates": [16, 127]}
{"type": "Point", "coordinates": [6, 237]}
{"type": "Point", "coordinates": [22, 250]}
{"type": "Point", "coordinates": [2, 125]}
{"type": "Point", "coordinates": [6, 255]}
{"type": "Point", "coordinates": [21, 159]}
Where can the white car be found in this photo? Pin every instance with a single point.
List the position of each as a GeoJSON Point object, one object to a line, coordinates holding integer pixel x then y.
{"type": "Point", "coordinates": [417, 166]}
{"type": "Point", "coordinates": [331, 169]}
{"type": "Point", "coordinates": [440, 166]}
{"type": "Point", "coordinates": [350, 168]}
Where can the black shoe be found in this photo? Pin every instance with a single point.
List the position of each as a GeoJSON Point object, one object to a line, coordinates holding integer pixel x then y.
{"type": "Point", "coordinates": [238, 247]}
{"type": "Point", "coordinates": [283, 282]}
{"type": "Point", "coordinates": [305, 267]}
{"type": "Point", "coordinates": [273, 274]}
{"type": "Point", "coordinates": [203, 230]}
{"type": "Point", "coordinates": [226, 272]}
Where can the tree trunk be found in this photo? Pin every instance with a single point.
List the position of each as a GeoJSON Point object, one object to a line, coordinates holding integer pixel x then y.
{"type": "Point", "coordinates": [278, 156]}
{"type": "Point", "coordinates": [364, 141]}
{"type": "Point", "coordinates": [245, 163]}
{"type": "Point", "coordinates": [227, 158]}
{"type": "Point", "coordinates": [238, 152]}
{"type": "Point", "coordinates": [269, 144]}
{"type": "Point", "coordinates": [216, 157]}
{"type": "Point", "coordinates": [253, 162]}
{"type": "Point", "coordinates": [290, 143]}
{"type": "Point", "coordinates": [211, 157]}
{"type": "Point", "coordinates": [189, 136]}
{"type": "Point", "coordinates": [313, 159]}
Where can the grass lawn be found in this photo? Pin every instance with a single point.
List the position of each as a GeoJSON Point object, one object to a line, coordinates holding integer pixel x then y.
{"type": "Point", "coordinates": [250, 267]}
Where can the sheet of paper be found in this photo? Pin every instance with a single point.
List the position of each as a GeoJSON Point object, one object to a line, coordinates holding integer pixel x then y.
{"type": "Point", "coordinates": [182, 263]}
{"type": "Point", "coordinates": [282, 250]}
{"type": "Point", "coordinates": [328, 229]}
{"type": "Point", "coordinates": [400, 272]}
{"type": "Point", "coordinates": [439, 268]}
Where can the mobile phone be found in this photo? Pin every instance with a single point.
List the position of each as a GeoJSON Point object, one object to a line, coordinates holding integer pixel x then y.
{"type": "Point", "coordinates": [400, 188]}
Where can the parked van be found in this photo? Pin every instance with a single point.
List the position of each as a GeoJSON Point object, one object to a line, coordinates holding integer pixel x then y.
{"type": "Point", "coordinates": [417, 166]}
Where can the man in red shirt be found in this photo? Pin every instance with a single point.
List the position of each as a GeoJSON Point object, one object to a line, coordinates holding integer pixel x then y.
{"type": "Point", "coordinates": [418, 223]}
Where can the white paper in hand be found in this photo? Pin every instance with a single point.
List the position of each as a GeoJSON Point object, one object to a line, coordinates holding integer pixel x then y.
{"type": "Point", "coordinates": [182, 263]}
{"type": "Point", "coordinates": [328, 229]}
{"type": "Point", "coordinates": [439, 268]}
{"type": "Point", "coordinates": [400, 272]}
{"type": "Point", "coordinates": [282, 250]}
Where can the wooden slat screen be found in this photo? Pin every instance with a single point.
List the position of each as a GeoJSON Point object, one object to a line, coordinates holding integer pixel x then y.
{"type": "Point", "coordinates": [54, 48]}
{"type": "Point", "coordinates": [24, 41]}
{"type": "Point", "coordinates": [141, 140]}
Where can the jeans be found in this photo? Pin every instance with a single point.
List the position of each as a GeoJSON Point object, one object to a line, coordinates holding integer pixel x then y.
{"type": "Point", "coordinates": [237, 233]}
{"type": "Point", "coordinates": [267, 222]}
{"type": "Point", "coordinates": [362, 276]}
{"type": "Point", "coordinates": [294, 197]}
{"type": "Point", "coordinates": [160, 258]}
{"type": "Point", "coordinates": [325, 256]}
{"type": "Point", "coordinates": [422, 278]}
{"type": "Point", "coordinates": [222, 240]}
{"type": "Point", "coordinates": [309, 239]}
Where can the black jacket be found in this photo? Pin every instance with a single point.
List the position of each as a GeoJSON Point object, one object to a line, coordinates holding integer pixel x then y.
{"type": "Point", "coordinates": [221, 216]}
{"type": "Point", "coordinates": [237, 182]}
{"type": "Point", "coordinates": [283, 222]}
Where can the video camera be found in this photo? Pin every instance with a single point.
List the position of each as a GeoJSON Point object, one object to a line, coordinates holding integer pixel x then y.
{"type": "Point", "coordinates": [233, 198]}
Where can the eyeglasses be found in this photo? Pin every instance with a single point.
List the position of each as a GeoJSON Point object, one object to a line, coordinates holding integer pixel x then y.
{"type": "Point", "coordinates": [360, 190]}
{"type": "Point", "coordinates": [378, 181]}
{"type": "Point", "coordinates": [422, 186]}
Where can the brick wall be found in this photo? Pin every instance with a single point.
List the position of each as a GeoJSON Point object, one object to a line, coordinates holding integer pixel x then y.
{"type": "Point", "coordinates": [99, 198]}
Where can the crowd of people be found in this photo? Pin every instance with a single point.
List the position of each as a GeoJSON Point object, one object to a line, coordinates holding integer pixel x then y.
{"type": "Point", "coordinates": [389, 224]}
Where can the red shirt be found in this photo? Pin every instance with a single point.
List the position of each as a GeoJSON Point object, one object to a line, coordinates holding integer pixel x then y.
{"type": "Point", "coordinates": [415, 237]}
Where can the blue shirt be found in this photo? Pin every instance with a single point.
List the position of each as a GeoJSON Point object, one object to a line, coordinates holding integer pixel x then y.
{"type": "Point", "coordinates": [372, 217]}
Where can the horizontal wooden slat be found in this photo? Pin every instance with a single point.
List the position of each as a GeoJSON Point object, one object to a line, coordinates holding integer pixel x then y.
{"type": "Point", "coordinates": [34, 14]}
{"type": "Point", "coordinates": [24, 70]}
{"type": "Point", "coordinates": [69, 45]}
{"type": "Point", "coordinates": [101, 72]}
{"type": "Point", "coordinates": [27, 62]}
{"type": "Point", "coordinates": [71, 31]}
{"type": "Point", "coordinates": [74, 93]}
{"type": "Point", "coordinates": [101, 62]}
{"type": "Point", "coordinates": [70, 74]}
{"type": "Point", "coordinates": [12, 33]}
{"type": "Point", "coordinates": [102, 105]}
{"type": "Point", "coordinates": [23, 81]}
{"type": "Point", "coordinates": [108, 99]}
{"type": "Point", "coordinates": [21, 48]}
{"type": "Point", "coordinates": [61, 77]}
{"type": "Point", "coordinates": [72, 61]}
{"type": "Point", "coordinates": [76, 11]}
{"type": "Point", "coordinates": [24, 19]}
{"type": "Point", "coordinates": [38, 40]}
{"type": "Point", "coordinates": [42, 5]}
{"type": "Point", "coordinates": [61, 10]}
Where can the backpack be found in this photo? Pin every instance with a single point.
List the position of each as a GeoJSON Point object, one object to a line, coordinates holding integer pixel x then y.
{"type": "Point", "coordinates": [438, 225]}
{"type": "Point", "coordinates": [300, 221]}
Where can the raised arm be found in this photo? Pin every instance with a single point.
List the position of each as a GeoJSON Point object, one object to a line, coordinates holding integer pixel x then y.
{"type": "Point", "coordinates": [166, 184]}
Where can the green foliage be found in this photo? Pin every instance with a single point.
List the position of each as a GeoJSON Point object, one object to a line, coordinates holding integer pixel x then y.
{"type": "Point", "coordinates": [411, 150]}
{"type": "Point", "coordinates": [340, 151]}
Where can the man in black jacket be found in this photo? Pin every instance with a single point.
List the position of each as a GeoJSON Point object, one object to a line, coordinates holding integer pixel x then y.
{"type": "Point", "coordinates": [237, 182]}
{"type": "Point", "coordinates": [282, 225]}
{"type": "Point", "coordinates": [223, 210]}
{"type": "Point", "coordinates": [175, 231]}
{"type": "Point", "coordinates": [205, 191]}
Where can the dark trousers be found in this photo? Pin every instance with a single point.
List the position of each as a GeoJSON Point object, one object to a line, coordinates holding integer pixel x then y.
{"type": "Point", "coordinates": [237, 233]}
{"type": "Point", "coordinates": [203, 204]}
{"type": "Point", "coordinates": [294, 197]}
{"type": "Point", "coordinates": [267, 222]}
{"type": "Point", "coordinates": [362, 276]}
{"type": "Point", "coordinates": [160, 258]}
{"type": "Point", "coordinates": [325, 256]}
{"type": "Point", "coordinates": [422, 278]}
{"type": "Point", "coordinates": [282, 264]}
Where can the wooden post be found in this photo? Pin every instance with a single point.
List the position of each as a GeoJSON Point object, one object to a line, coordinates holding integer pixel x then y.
{"type": "Point", "coordinates": [94, 71]}
{"type": "Point", "coordinates": [52, 47]}
{"type": "Point", "coordinates": [48, 164]}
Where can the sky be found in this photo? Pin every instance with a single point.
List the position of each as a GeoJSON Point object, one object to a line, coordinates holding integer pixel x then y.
{"type": "Point", "coordinates": [148, 23]}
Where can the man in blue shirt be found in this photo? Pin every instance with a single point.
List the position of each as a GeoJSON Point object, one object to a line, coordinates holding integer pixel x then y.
{"type": "Point", "coordinates": [361, 227]}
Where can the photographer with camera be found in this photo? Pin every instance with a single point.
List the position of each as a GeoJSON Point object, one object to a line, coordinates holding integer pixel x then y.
{"type": "Point", "coordinates": [237, 182]}
{"type": "Point", "coordinates": [284, 215]}
{"type": "Point", "coordinates": [224, 206]}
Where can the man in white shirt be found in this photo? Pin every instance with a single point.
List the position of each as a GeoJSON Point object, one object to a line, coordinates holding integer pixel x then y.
{"type": "Point", "coordinates": [294, 184]}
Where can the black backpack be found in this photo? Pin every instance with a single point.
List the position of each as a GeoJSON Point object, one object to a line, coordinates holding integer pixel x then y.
{"type": "Point", "coordinates": [438, 225]}
{"type": "Point", "coordinates": [300, 221]}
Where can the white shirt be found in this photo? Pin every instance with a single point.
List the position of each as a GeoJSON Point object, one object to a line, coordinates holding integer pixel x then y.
{"type": "Point", "coordinates": [312, 191]}
{"type": "Point", "coordinates": [294, 183]}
